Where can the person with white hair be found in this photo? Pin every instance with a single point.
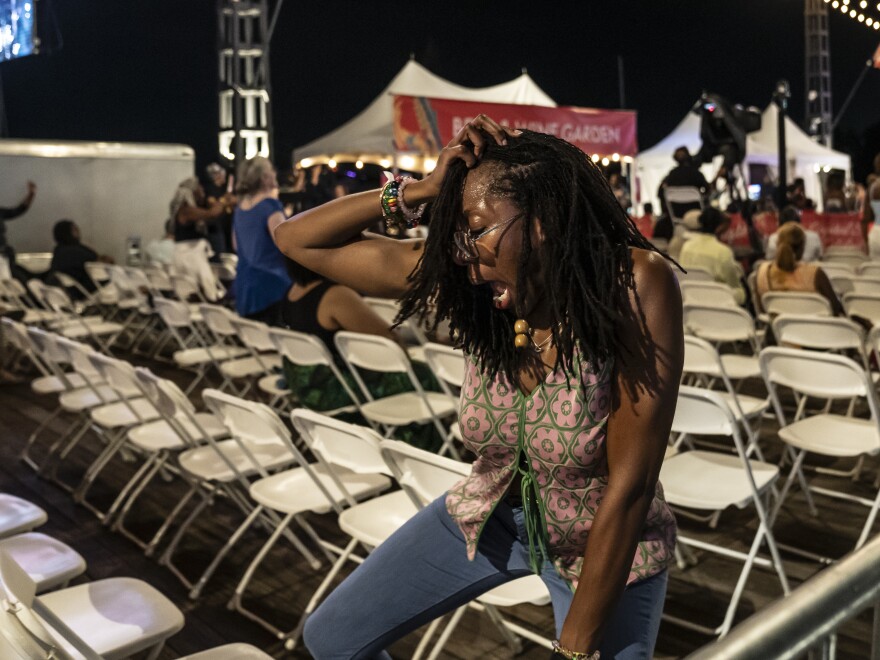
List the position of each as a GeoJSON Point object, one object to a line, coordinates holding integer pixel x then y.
{"type": "Point", "coordinates": [191, 248]}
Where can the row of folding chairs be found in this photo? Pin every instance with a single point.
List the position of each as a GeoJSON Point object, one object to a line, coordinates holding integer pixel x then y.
{"type": "Point", "coordinates": [260, 468]}
{"type": "Point", "coordinates": [44, 617]}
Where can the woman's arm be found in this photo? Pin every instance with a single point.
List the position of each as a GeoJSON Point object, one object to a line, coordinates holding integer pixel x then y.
{"type": "Point", "coordinates": [327, 239]}
{"type": "Point", "coordinates": [644, 393]}
{"type": "Point", "coordinates": [342, 308]}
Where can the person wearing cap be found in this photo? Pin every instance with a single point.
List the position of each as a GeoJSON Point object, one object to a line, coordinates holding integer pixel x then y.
{"type": "Point", "coordinates": [218, 188]}
{"type": "Point", "coordinates": [703, 250]}
{"type": "Point", "coordinates": [690, 224]}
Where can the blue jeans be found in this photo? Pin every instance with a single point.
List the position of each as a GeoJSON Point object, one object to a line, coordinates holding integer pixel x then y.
{"type": "Point", "coordinates": [422, 572]}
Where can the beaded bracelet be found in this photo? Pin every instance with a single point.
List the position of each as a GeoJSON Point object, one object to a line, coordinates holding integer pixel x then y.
{"type": "Point", "coordinates": [397, 215]}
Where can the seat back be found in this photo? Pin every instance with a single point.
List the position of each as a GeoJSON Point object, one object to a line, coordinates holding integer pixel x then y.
{"type": "Point", "coordinates": [704, 412]}
{"type": "Point", "coordinates": [164, 394]}
{"type": "Point", "coordinates": [423, 475]}
{"type": "Point", "coordinates": [371, 352]}
{"type": "Point", "coordinates": [158, 277]}
{"type": "Point", "coordinates": [700, 357]}
{"type": "Point", "coordinates": [680, 200]}
{"type": "Point", "coordinates": [16, 334]}
{"type": "Point", "coordinates": [850, 258]}
{"type": "Point", "coordinates": [22, 620]}
{"type": "Point", "coordinates": [118, 374]}
{"type": "Point", "coordinates": [57, 299]}
{"type": "Point", "coordinates": [98, 272]}
{"type": "Point", "coordinates": [218, 320]}
{"type": "Point", "coordinates": [387, 309]}
{"type": "Point", "coordinates": [355, 448]}
{"type": "Point", "coordinates": [694, 275]}
{"type": "Point", "coordinates": [46, 347]}
{"type": "Point", "coordinates": [837, 269]}
{"type": "Point", "coordinates": [864, 284]}
{"type": "Point", "coordinates": [68, 282]}
{"type": "Point", "coordinates": [719, 323]}
{"type": "Point", "coordinates": [822, 375]}
{"type": "Point", "coordinates": [174, 313]}
{"type": "Point", "coordinates": [448, 364]}
{"type": "Point", "coordinates": [795, 302]}
{"type": "Point", "coordinates": [185, 286]}
{"type": "Point", "coordinates": [253, 425]}
{"type": "Point", "coordinates": [868, 269]}
{"type": "Point", "coordinates": [819, 332]}
{"type": "Point", "coordinates": [863, 305]}
{"type": "Point", "coordinates": [842, 284]}
{"type": "Point", "coordinates": [707, 293]}
{"type": "Point", "coordinates": [253, 334]}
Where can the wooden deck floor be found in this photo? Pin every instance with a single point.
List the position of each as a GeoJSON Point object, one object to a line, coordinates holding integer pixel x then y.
{"type": "Point", "coordinates": [285, 583]}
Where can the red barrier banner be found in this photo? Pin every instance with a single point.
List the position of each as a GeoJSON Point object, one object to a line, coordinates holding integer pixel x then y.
{"type": "Point", "coordinates": [426, 125]}
{"type": "Point", "coordinates": [833, 228]}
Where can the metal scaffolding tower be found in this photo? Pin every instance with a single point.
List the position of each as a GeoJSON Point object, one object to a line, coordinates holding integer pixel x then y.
{"type": "Point", "coordinates": [245, 111]}
{"type": "Point", "coordinates": [818, 70]}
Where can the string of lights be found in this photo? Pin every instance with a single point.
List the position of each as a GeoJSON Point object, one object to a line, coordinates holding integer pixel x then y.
{"type": "Point", "coordinates": [848, 8]}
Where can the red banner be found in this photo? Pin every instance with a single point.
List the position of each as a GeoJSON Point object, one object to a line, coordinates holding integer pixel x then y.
{"type": "Point", "coordinates": [426, 125]}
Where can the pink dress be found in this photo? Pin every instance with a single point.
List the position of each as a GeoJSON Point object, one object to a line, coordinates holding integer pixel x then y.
{"type": "Point", "coordinates": [560, 429]}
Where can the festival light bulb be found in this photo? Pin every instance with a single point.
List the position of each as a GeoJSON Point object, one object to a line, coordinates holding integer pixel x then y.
{"type": "Point", "coordinates": [595, 158]}
{"type": "Point", "coordinates": [359, 164]}
{"type": "Point", "coordinates": [305, 163]}
{"type": "Point", "coordinates": [863, 4]}
{"type": "Point", "coordinates": [331, 164]}
{"type": "Point", "coordinates": [385, 162]}
{"type": "Point", "coordinates": [861, 18]}
{"type": "Point", "coordinates": [615, 157]}
{"type": "Point", "coordinates": [835, 4]}
{"type": "Point", "coordinates": [430, 164]}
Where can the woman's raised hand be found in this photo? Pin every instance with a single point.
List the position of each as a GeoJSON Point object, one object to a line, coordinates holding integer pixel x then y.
{"type": "Point", "coordinates": [468, 146]}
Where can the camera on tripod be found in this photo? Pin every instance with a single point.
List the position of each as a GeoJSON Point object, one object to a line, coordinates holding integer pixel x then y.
{"type": "Point", "coordinates": [723, 129]}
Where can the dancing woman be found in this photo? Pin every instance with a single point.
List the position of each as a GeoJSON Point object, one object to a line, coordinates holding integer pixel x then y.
{"type": "Point", "coordinates": [572, 327]}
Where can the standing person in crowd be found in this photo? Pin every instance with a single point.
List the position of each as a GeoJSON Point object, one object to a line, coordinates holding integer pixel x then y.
{"type": "Point", "coordinates": [835, 196]}
{"type": "Point", "coordinates": [70, 256]}
{"type": "Point", "coordinates": [813, 245]}
{"type": "Point", "coordinates": [6, 214]}
{"type": "Point", "coordinates": [788, 272]}
{"type": "Point", "coordinates": [217, 188]}
{"type": "Point", "coordinates": [685, 173]}
{"type": "Point", "coordinates": [704, 250]}
{"type": "Point", "coordinates": [191, 248]}
{"type": "Point", "coordinates": [261, 279]}
{"type": "Point", "coordinates": [871, 215]}
{"type": "Point", "coordinates": [618, 187]}
{"type": "Point", "coordinates": [574, 361]}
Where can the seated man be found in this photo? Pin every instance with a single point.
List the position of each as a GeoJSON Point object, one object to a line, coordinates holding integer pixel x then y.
{"type": "Point", "coordinates": [704, 250]}
{"type": "Point", "coordinates": [813, 246]}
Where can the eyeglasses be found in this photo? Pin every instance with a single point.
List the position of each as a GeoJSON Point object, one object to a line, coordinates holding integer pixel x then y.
{"type": "Point", "coordinates": [466, 242]}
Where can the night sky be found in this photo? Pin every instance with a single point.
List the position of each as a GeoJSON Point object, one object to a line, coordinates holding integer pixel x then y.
{"type": "Point", "coordinates": [145, 70]}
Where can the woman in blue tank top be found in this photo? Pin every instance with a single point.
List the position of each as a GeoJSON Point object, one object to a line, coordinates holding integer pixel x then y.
{"type": "Point", "coordinates": [261, 280]}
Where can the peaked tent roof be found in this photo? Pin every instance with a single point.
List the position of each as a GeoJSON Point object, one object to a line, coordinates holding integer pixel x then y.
{"type": "Point", "coordinates": [798, 145]}
{"type": "Point", "coordinates": [370, 132]}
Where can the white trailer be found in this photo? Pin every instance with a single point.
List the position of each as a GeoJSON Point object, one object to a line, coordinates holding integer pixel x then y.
{"type": "Point", "coordinates": [114, 191]}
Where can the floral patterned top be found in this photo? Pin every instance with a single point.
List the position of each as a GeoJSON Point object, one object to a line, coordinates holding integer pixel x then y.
{"type": "Point", "coordinates": [561, 428]}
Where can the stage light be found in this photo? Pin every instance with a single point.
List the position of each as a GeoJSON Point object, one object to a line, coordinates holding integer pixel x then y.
{"type": "Point", "coordinates": [331, 164]}
{"type": "Point", "coordinates": [430, 164]}
{"type": "Point", "coordinates": [306, 163]}
{"type": "Point", "coordinates": [843, 9]}
{"type": "Point", "coordinates": [359, 164]}
{"type": "Point", "coordinates": [817, 169]}
{"type": "Point", "coordinates": [826, 169]}
{"type": "Point", "coordinates": [846, 2]}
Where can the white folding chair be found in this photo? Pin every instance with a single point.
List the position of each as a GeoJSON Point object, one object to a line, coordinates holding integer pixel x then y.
{"type": "Point", "coordinates": [50, 563]}
{"type": "Point", "coordinates": [820, 333]}
{"type": "Point", "coordinates": [425, 477]}
{"type": "Point", "coordinates": [196, 353]}
{"type": "Point", "coordinates": [680, 200]}
{"type": "Point", "coordinates": [219, 322]}
{"type": "Point", "coordinates": [17, 516]}
{"type": "Point", "coordinates": [837, 269]}
{"type": "Point", "coordinates": [851, 258]}
{"type": "Point", "coordinates": [863, 305]}
{"type": "Point", "coordinates": [842, 284]}
{"type": "Point", "coordinates": [701, 359]}
{"type": "Point", "coordinates": [712, 481]}
{"type": "Point", "coordinates": [448, 365]}
{"type": "Point", "coordinates": [408, 331]}
{"type": "Point", "coordinates": [828, 377]}
{"type": "Point", "coordinates": [694, 275]}
{"type": "Point", "coordinates": [869, 269]}
{"type": "Point", "coordinates": [348, 448]}
{"type": "Point", "coordinates": [69, 283]}
{"type": "Point", "coordinates": [291, 492]}
{"type": "Point", "coordinates": [707, 293]}
{"type": "Point", "coordinates": [106, 619]}
{"type": "Point", "coordinates": [795, 302]}
{"type": "Point", "coordinates": [266, 361]}
{"type": "Point", "coordinates": [307, 350]}
{"type": "Point", "coordinates": [726, 325]}
{"type": "Point", "coordinates": [102, 333]}
{"type": "Point", "coordinates": [362, 351]}
{"type": "Point", "coordinates": [230, 652]}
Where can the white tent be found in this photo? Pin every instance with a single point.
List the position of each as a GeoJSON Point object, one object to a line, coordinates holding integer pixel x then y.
{"type": "Point", "coordinates": [805, 156]}
{"type": "Point", "coordinates": [368, 136]}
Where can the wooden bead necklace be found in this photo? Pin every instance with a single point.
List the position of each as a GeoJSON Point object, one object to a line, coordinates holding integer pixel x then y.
{"type": "Point", "coordinates": [523, 337]}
